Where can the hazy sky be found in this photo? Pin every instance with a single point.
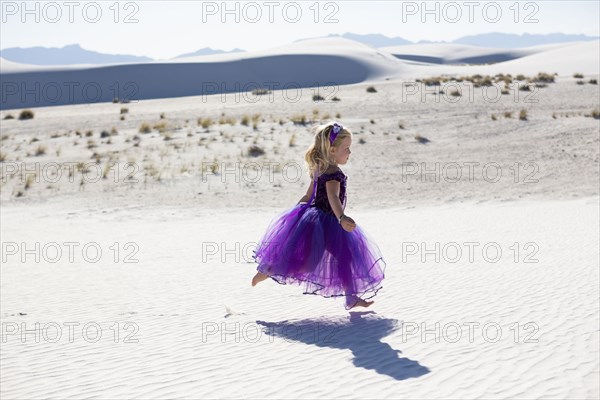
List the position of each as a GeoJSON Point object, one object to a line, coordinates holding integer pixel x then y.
{"type": "Point", "coordinates": [164, 29]}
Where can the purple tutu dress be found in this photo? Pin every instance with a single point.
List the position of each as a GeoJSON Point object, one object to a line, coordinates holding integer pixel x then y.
{"type": "Point", "coordinates": [306, 245]}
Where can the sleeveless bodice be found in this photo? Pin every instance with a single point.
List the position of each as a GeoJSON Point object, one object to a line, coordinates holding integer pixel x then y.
{"type": "Point", "coordinates": [321, 201]}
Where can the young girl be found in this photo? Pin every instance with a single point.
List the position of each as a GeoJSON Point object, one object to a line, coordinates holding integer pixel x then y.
{"type": "Point", "coordinates": [315, 242]}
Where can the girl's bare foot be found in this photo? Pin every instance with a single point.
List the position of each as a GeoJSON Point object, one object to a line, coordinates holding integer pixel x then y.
{"type": "Point", "coordinates": [259, 277]}
{"type": "Point", "coordinates": [362, 303]}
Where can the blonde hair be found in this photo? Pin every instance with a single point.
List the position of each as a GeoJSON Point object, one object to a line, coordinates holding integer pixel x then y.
{"type": "Point", "coordinates": [317, 155]}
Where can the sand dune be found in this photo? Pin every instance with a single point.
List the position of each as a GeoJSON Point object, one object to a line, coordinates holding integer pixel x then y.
{"type": "Point", "coordinates": [565, 60]}
{"type": "Point", "coordinates": [308, 63]}
{"type": "Point", "coordinates": [449, 53]}
{"type": "Point", "coordinates": [327, 62]}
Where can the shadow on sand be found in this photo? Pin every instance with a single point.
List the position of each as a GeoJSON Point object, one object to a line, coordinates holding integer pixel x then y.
{"type": "Point", "coordinates": [361, 334]}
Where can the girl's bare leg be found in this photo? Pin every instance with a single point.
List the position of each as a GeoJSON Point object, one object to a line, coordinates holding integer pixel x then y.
{"type": "Point", "coordinates": [259, 277]}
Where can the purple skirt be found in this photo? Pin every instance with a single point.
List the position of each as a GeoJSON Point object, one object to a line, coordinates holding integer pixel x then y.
{"type": "Point", "coordinates": [307, 246]}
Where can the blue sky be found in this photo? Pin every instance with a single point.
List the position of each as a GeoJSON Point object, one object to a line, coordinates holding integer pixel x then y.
{"type": "Point", "coordinates": [164, 29]}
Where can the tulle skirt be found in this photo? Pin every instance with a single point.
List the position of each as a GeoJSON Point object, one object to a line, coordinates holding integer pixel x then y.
{"type": "Point", "coordinates": [307, 246]}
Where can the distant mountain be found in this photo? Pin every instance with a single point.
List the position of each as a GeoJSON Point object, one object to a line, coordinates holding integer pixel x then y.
{"type": "Point", "coordinates": [499, 40]}
{"type": "Point", "coordinates": [375, 39]}
{"type": "Point", "coordinates": [207, 51]}
{"type": "Point", "coordinates": [74, 54]}
{"type": "Point", "coordinates": [71, 54]}
{"type": "Point", "coordinates": [509, 40]}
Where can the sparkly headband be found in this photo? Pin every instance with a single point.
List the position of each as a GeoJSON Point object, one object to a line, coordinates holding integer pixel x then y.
{"type": "Point", "coordinates": [335, 129]}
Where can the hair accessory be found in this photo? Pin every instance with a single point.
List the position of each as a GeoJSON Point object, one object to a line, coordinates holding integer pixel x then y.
{"type": "Point", "coordinates": [335, 129]}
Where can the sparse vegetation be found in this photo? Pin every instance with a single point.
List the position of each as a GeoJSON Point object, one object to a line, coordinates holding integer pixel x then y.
{"type": "Point", "coordinates": [318, 97]}
{"type": "Point", "coordinates": [299, 119]}
{"type": "Point", "coordinates": [594, 114]}
{"type": "Point", "coordinates": [9, 116]}
{"type": "Point", "coordinates": [227, 120]}
{"type": "Point", "coordinates": [523, 115]}
{"type": "Point", "coordinates": [591, 82]}
{"type": "Point", "coordinates": [578, 76]}
{"type": "Point", "coordinates": [432, 81]}
{"type": "Point", "coordinates": [255, 151]}
{"type": "Point", "coordinates": [371, 89]}
{"type": "Point", "coordinates": [421, 139]}
{"type": "Point", "coordinates": [29, 181]}
{"type": "Point", "coordinates": [40, 150]}
{"type": "Point", "coordinates": [362, 141]}
{"type": "Point", "coordinates": [543, 77]}
{"type": "Point", "coordinates": [260, 92]}
{"type": "Point", "coordinates": [160, 126]}
{"type": "Point", "coordinates": [26, 114]}
{"type": "Point", "coordinates": [145, 128]}
{"type": "Point", "coordinates": [205, 122]}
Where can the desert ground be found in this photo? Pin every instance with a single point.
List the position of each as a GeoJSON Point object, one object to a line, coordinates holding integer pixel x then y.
{"type": "Point", "coordinates": [127, 230]}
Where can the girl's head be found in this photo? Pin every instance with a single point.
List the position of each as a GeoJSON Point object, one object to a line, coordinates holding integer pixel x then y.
{"type": "Point", "coordinates": [331, 147]}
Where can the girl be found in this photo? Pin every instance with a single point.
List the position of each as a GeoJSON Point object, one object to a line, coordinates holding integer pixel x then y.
{"type": "Point", "coordinates": [315, 242]}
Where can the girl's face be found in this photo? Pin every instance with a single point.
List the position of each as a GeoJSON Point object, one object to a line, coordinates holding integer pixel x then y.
{"type": "Point", "coordinates": [341, 153]}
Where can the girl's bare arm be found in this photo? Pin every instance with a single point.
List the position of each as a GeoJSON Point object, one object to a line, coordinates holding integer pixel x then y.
{"type": "Point", "coordinates": [308, 194]}
{"type": "Point", "coordinates": [333, 195]}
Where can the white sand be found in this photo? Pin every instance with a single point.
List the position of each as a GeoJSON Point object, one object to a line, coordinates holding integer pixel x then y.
{"type": "Point", "coordinates": [318, 349]}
